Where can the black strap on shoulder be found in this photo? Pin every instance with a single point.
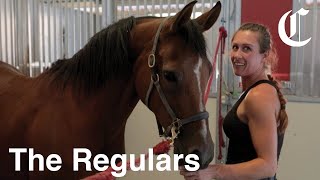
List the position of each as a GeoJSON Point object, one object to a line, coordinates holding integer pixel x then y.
{"type": "Point", "coordinates": [263, 81]}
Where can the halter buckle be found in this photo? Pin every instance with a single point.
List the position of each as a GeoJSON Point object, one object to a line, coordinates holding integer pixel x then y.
{"type": "Point", "coordinates": [151, 60]}
{"type": "Point", "coordinates": [175, 129]}
{"type": "Point", "coordinates": [155, 78]}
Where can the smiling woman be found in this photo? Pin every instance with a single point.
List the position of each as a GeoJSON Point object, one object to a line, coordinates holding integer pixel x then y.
{"type": "Point", "coordinates": [256, 124]}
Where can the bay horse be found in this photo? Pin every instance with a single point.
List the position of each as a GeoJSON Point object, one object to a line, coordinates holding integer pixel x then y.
{"type": "Point", "coordinates": [85, 101]}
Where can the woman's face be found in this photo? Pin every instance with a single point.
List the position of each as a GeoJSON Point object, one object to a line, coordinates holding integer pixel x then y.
{"type": "Point", "coordinates": [245, 56]}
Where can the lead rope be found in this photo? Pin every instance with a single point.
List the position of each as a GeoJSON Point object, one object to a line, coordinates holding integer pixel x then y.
{"type": "Point", "coordinates": [221, 44]}
{"type": "Point", "coordinates": [161, 148]}
{"type": "Point", "coordinates": [223, 33]}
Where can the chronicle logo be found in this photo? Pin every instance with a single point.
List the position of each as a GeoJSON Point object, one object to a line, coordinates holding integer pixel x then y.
{"type": "Point", "coordinates": [293, 27]}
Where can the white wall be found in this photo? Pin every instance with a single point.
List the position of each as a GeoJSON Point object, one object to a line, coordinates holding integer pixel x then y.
{"type": "Point", "coordinates": [300, 153]}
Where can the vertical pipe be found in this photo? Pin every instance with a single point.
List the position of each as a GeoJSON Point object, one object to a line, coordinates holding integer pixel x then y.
{"type": "Point", "coordinates": [42, 36]}
{"type": "Point", "coordinates": [177, 6]}
{"type": "Point", "coordinates": [98, 16]}
{"type": "Point", "coordinates": [30, 35]}
{"type": "Point", "coordinates": [8, 27]}
{"type": "Point", "coordinates": [19, 36]}
{"type": "Point", "coordinates": [85, 23]}
{"type": "Point", "coordinates": [44, 57]}
{"type": "Point", "coordinates": [69, 32]}
{"type": "Point", "coordinates": [23, 31]}
{"type": "Point", "coordinates": [129, 9]}
{"type": "Point", "coordinates": [137, 8]}
{"type": "Point", "coordinates": [36, 38]}
{"type": "Point", "coordinates": [145, 8]}
{"type": "Point", "coordinates": [108, 12]}
{"type": "Point", "coordinates": [74, 28]}
{"type": "Point", "coordinates": [48, 60]}
{"type": "Point", "coordinates": [54, 24]}
{"type": "Point", "coordinates": [313, 88]}
{"type": "Point", "coordinates": [61, 27]}
{"type": "Point", "coordinates": [160, 7]}
{"type": "Point", "coordinates": [91, 20]}
{"type": "Point", "coordinates": [13, 49]}
{"type": "Point", "coordinates": [294, 61]}
{"type": "Point", "coordinates": [153, 7]}
{"type": "Point", "coordinates": [104, 13]}
{"type": "Point", "coordinates": [203, 7]}
{"type": "Point", "coordinates": [64, 30]}
{"type": "Point", "coordinates": [67, 37]}
{"type": "Point", "coordinates": [122, 9]}
{"type": "Point", "coordinates": [5, 31]}
{"type": "Point", "coordinates": [1, 30]}
{"type": "Point", "coordinates": [79, 34]}
{"type": "Point", "coordinates": [169, 7]}
{"type": "Point", "coordinates": [1, 10]}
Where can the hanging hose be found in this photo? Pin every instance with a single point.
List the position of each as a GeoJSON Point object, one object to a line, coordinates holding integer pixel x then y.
{"type": "Point", "coordinates": [223, 32]}
{"type": "Point", "coordinates": [221, 44]}
{"type": "Point", "coordinates": [221, 41]}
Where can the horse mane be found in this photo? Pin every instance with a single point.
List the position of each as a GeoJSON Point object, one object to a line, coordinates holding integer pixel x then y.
{"type": "Point", "coordinates": [104, 57]}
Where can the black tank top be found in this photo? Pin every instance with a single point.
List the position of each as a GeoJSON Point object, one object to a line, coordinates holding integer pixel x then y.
{"type": "Point", "coordinates": [240, 147]}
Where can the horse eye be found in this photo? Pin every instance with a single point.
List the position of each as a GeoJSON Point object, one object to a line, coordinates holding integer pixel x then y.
{"type": "Point", "coordinates": [171, 76]}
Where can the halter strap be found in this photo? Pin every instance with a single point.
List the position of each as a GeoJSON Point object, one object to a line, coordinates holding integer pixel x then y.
{"type": "Point", "coordinates": [174, 128]}
{"type": "Point", "coordinates": [181, 122]}
{"type": "Point", "coordinates": [152, 62]}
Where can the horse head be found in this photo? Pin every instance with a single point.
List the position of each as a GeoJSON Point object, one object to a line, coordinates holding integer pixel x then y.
{"type": "Point", "coordinates": [171, 74]}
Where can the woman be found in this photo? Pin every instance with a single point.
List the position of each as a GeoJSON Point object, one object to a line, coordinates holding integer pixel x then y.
{"type": "Point", "coordinates": [256, 124]}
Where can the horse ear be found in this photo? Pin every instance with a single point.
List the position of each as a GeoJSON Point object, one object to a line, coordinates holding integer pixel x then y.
{"type": "Point", "coordinates": [182, 17]}
{"type": "Point", "coordinates": [207, 19]}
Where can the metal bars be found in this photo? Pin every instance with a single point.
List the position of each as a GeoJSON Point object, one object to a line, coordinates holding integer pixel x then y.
{"type": "Point", "coordinates": [35, 33]}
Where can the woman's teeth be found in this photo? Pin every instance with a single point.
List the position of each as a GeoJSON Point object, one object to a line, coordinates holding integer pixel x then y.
{"type": "Point", "coordinates": [239, 64]}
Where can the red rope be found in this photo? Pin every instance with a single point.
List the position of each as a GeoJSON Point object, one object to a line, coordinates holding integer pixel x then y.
{"type": "Point", "coordinates": [221, 41]}
{"type": "Point", "coordinates": [221, 44]}
{"type": "Point", "coordinates": [223, 33]}
{"type": "Point", "coordinates": [161, 148]}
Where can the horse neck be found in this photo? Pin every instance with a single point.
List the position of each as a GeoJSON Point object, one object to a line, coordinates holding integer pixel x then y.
{"type": "Point", "coordinates": [114, 104]}
{"type": "Point", "coordinates": [118, 100]}
{"type": "Point", "coordinates": [107, 110]}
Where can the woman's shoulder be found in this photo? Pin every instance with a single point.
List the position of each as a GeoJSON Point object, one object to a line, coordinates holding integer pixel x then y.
{"type": "Point", "coordinates": [263, 90]}
{"type": "Point", "coordinates": [261, 98]}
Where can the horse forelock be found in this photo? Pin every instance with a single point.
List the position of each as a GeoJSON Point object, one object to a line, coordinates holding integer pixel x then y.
{"type": "Point", "coordinates": [191, 32]}
{"type": "Point", "coordinates": [193, 36]}
{"type": "Point", "coordinates": [104, 57]}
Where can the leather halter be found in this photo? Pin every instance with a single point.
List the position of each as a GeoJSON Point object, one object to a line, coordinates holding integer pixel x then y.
{"type": "Point", "coordinates": [172, 130]}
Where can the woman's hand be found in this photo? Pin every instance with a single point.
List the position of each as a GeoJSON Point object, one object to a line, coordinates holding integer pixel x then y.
{"type": "Point", "coordinates": [203, 174]}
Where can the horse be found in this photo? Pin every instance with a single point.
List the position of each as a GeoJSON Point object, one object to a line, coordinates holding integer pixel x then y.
{"type": "Point", "coordinates": [84, 101]}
